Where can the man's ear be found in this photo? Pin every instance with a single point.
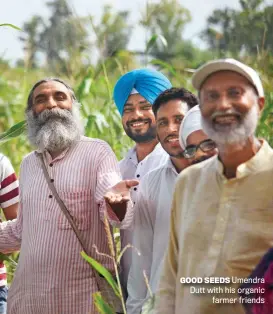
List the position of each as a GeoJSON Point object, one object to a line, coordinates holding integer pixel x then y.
{"type": "Point", "coordinates": [261, 103]}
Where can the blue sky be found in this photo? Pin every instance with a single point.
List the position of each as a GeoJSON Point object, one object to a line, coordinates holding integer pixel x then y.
{"type": "Point", "coordinates": [19, 11]}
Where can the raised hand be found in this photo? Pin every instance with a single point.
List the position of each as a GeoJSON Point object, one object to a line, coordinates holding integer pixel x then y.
{"type": "Point", "coordinates": [120, 193]}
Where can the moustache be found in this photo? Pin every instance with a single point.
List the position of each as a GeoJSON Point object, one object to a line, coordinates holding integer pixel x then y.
{"type": "Point", "coordinates": [55, 113]}
{"type": "Point", "coordinates": [128, 123]}
{"type": "Point", "coordinates": [217, 114]}
{"type": "Point", "coordinates": [173, 135]}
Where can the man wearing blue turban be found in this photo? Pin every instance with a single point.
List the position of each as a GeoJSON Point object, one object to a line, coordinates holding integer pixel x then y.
{"type": "Point", "coordinates": [148, 83]}
{"type": "Point", "coordinates": [134, 95]}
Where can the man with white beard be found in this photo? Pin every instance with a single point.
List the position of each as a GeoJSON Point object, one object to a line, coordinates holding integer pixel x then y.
{"type": "Point", "coordinates": [222, 211]}
{"type": "Point", "coordinates": [51, 276]}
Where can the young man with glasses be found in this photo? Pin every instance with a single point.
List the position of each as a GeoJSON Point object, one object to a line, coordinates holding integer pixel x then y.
{"type": "Point", "coordinates": [152, 210]}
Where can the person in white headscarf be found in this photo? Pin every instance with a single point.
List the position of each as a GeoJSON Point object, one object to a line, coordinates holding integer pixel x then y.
{"type": "Point", "coordinates": [196, 144]}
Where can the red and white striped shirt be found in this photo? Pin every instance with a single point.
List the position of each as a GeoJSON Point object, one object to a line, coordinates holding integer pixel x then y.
{"type": "Point", "coordinates": [51, 276]}
{"type": "Point", "coordinates": [9, 195]}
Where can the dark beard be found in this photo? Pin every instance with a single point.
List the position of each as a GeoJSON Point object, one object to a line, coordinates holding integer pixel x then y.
{"type": "Point", "coordinates": [141, 138]}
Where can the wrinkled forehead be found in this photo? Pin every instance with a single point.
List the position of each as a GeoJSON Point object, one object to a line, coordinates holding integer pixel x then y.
{"type": "Point", "coordinates": [224, 79]}
{"type": "Point", "coordinates": [50, 87]}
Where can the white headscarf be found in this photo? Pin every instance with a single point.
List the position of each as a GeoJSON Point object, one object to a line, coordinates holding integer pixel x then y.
{"type": "Point", "coordinates": [190, 124]}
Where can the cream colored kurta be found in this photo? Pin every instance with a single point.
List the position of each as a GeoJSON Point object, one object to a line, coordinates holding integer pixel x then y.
{"type": "Point", "coordinates": [219, 228]}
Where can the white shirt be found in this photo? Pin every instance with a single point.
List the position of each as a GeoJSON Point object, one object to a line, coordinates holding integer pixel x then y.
{"type": "Point", "coordinates": [130, 168]}
{"type": "Point", "coordinates": [151, 230]}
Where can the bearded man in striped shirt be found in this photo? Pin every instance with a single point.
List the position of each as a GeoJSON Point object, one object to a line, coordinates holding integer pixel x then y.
{"type": "Point", "coordinates": [51, 276]}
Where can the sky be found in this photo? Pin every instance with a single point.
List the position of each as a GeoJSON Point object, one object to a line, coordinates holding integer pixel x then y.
{"type": "Point", "coordinates": [19, 11]}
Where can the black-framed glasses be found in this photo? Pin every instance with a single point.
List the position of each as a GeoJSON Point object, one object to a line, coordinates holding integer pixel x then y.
{"type": "Point", "coordinates": [205, 146]}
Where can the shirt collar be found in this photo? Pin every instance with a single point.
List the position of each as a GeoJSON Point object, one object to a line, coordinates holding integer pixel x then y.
{"type": "Point", "coordinates": [132, 156]}
{"type": "Point", "coordinates": [259, 162]}
{"type": "Point", "coordinates": [158, 147]}
{"type": "Point", "coordinates": [47, 157]}
{"type": "Point", "coordinates": [170, 165]}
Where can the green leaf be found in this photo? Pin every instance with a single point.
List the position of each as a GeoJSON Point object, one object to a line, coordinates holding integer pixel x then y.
{"type": "Point", "coordinates": [151, 42]}
{"type": "Point", "coordinates": [164, 65]}
{"type": "Point", "coordinates": [148, 306]}
{"type": "Point", "coordinates": [154, 39]}
{"type": "Point", "coordinates": [11, 25]}
{"type": "Point", "coordinates": [103, 271]}
{"type": "Point", "coordinates": [100, 121]}
{"type": "Point", "coordinates": [4, 257]}
{"type": "Point", "coordinates": [84, 87]}
{"type": "Point", "coordinates": [89, 125]}
{"type": "Point", "coordinates": [163, 40]}
{"type": "Point", "coordinates": [13, 132]}
{"type": "Point", "coordinates": [101, 305]}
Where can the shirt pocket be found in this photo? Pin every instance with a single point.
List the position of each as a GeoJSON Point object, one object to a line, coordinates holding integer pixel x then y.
{"type": "Point", "coordinates": [79, 206]}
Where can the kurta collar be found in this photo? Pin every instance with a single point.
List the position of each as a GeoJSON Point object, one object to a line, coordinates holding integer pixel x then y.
{"type": "Point", "coordinates": [259, 162]}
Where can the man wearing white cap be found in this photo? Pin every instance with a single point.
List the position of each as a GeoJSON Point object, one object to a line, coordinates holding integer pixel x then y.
{"type": "Point", "coordinates": [153, 203]}
{"type": "Point", "coordinates": [222, 211]}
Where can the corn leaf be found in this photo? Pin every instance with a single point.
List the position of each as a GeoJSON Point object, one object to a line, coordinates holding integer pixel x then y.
{"type": "Point", "coordinates": [13, 132]}
{"type": "Point", "coordinates": [151, 42]}
{"type": "Point", "coordinates": [11, 25]}
{"type": "Point", "coordinates": [101, 305]}
{"type": "Point", "coordinates": [4, 257]}
{"type": "Point", "coordinates": [103, 271]}
{"type": "Point", "coordinates": [164, 65]}
{"type": "Point", "coordinates": [148, 306]}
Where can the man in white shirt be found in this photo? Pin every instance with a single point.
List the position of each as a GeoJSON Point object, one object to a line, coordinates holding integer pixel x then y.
{"type": "Point", "coordinates": [134, 95]}
{"type": "Point", "coordinates": [152, 209]}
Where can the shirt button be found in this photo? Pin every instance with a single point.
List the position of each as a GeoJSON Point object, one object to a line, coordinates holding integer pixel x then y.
{"type": "Point", "coordinates": [50, 196]}
{"type": "Point", "coordinates": [138, 175]}
{"type": "Point", "coordinates": [52, 180]}
{"type": "Point", "coordinates": [51, 165]}
{"type": "Point", "coordinates": [135, 189]}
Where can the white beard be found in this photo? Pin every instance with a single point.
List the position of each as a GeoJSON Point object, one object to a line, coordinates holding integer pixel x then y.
{"type": "Point", "coordinates": [233, 135]}
{"type": "Point", "coordinates": [55, 129]}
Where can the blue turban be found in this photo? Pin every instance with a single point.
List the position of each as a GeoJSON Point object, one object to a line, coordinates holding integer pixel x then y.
{"type": "Point", "coordinates": [149, 84]}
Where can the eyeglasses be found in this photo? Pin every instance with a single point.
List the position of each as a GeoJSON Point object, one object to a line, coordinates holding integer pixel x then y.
{"type": "Point", "coordinates": [205, 146]}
